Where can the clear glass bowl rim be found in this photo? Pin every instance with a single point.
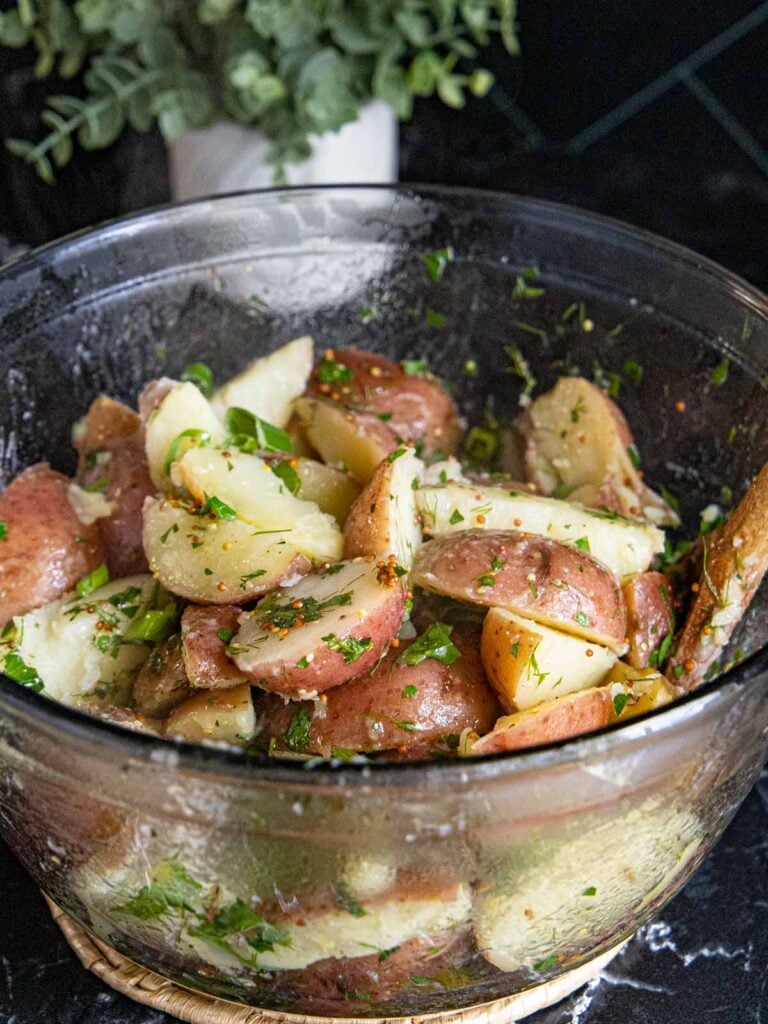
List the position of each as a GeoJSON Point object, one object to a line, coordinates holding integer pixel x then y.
{"type": "Point", "coordinates": [222, 762]}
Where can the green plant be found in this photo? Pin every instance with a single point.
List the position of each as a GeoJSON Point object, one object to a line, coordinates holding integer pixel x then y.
{"type": "Point", "coordinates": [292, 67]}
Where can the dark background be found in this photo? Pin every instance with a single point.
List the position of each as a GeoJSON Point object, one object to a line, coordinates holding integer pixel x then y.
{"type": "Point", "coordinates": [654, 112]}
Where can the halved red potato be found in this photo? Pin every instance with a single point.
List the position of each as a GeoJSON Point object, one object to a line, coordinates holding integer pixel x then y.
{"type": "Point", "coordinates": [547, 722]}
{"type": "Point", "coordinates": [216, 716]}
{"type": "Point", "coordinates": [268, 386]}
{"type": "Point", "coordinates": [624, 546]}
{"type": "Point", "coordinates": [384, 520]}
{"type": "Point", "coordinates": [735, 560]}
{"type": "Point", "coordinates": [578, 441]}
{"type": "Point", "coordinates": [113, 463]}
{"type": "Point", "coordinates": [527, 662]}
{"type": "Point", "coordinates": [216, 561]}
{"type": "Point", "coordinates": [415, 406]}
{"type": "Point", "coordinates": [45, 548]}
{"type": "Point", "coordinates": [537, 578]}
{"type": "Point", "coordinates": [414, 710]}
{"type": "Point", "coordinates": [650, 615]}
{"type": "Point", "coordinates": [162, 682]}
{"type": "Point", "coordinates": [206, 630]}
{"type": "Point", "coordinates": [327, 628]}
{"type": "Point", "coordinates": [353, 441]}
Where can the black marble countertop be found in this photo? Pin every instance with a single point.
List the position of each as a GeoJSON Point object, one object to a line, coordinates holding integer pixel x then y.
{"type": "Point", "coordinates": [654, 113]}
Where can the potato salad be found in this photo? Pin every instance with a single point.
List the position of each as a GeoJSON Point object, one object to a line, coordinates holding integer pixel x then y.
{"type": "Point", "coordinates": [300, 562]}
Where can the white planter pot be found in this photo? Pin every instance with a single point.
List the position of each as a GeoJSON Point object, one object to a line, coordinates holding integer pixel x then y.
{"type": "Point", "coordinates": [228, 157]}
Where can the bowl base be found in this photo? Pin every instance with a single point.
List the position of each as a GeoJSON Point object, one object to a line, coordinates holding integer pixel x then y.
{"type": "Point", "coordinates": [150, 989]}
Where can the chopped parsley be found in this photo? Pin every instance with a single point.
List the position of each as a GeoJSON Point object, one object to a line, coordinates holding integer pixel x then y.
{"type": "Point", "coordinates": [524, 290]}
{"type": "Point", "coordinates": [216, 507]}
{"type": "Point", "coordinates": [533, 667]}
{"type": "Point", "coordinates": [95, 579]}
{"type": "Point", "coordinates": [514, 650]}
{"type": "Point", "coordinates": [240, 922]}
{"type": "Point", "coordinates": [172, 887]}
{"type": "Point", "coordinates": [670, 499]}
{"type": "Point", "coordinates": [296, 736]}
{"type": "Point", "coordinates": [101, 484]}
{"type": "Point", "coordinates": [720, 373]}
{"type": "Point", "coordinates": [201, 376]}
{"type": "Point", "coordinates": [225, 635]}
{"type": "Point", "coordinates": [396, 454]}
{"type": "Point", "coordinates": [3, 530]}
{"type": "Point", "coordinates": [331, 372]}
{"type": "Point", "coordinates": [17, 669]}
{"type": "Point", "coordinates": [384, 954]}
{"type": "Point", "coordinates": [437, 260]}
{"type": "Point", "coordinates": [519, 366]}
{"type": "Point", "coordinates": [582, 543]}
{"type": "Point", "coordinates": [244, 580]}
{"type": "Point", "coordinates": [591, 891]}
{"type": "Point", "coordinates": [481, 445]}
{"type": "Point", "coordinates": [368, 314]}
{"type": "Point", "coordinates": [633, 371]}
{"type": "Point", "coordinates": [347, 901]}
{"type": "Point", "coordinates": [620, 701]}
{"type": "Point", "coordinates": [435, 642]}
{"type": "Point", "coordinates": [289, 476]}
{"type": "Point", "coordinates": [634, 456]}
{"type": "Point", "coordinates": [284, 616]}
{"type": "Point", "coordinates": [250, 433]}
{"type": "Point", "coordinates": [435, 318]}
{"type": "Point", "coordinates": [410, 691]}
{"type": "Point", "coordinates": [171, 529]}
{"type": "Point", "coordinates": [352, 648]}
{"type": "Point", "coordinates": [546, 963]}
{"type": "Point", "coordinates": [581, 618]}
{"type": "Point", "coordinates": [456, 517]}
{"type": "Point", "coordinates": [303, 662]}
{"type": "Point", "coordinates": [415, 367]}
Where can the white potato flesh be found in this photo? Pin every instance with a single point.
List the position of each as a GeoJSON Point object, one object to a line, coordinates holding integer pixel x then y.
{"type": "Point", "coordinates": [260, 498]}
{"type": "Point", "coordinates": [623, 546]}
{"type": "Point", "coordinates": [59, 641]}
{"type": "Point", "coordinates": [216, 716]}
{"type": "Point", "coordinates": [330, 489]}
{"type": "Point", "coordinates": [527, 663]}
{"type": "Point", "coordinates": [354, 602]}
{"type": "Point", "coordinates": [221, 561]}
{"type": "Point", "coordinates": [353, 441]}
{"type": "Point", "coordinates": [638, 690]}
{"type": "Point", "coordinates": [384, 520]}
{"type": "Point", "coordinates": [603, 874]}
{"type": "Point", "coordinates": [269, 386]}
{"type": "Point", "coordinates": [386, 923]}
{"type": "Point", "coordinates": [183, 408]}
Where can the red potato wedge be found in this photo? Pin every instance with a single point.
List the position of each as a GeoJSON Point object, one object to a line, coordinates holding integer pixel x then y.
{"type": "Point", "coordinates": [540, 579]}
{"type": "Point", "coordinates": [735, 560]}
{"type": "Point", "coordinates": [413, 710]}
{"type": "Point", "coordinates": [354, 441]}
{"type": "Point", "coordinates": [650, 615]}
{"type": "Point", "coordinates": [547, 722]}
{"type": "Point", "coordinates": [383, 520]}
{"type": "Point", "coordinates": [417, 408]}
{"type": "Point", "coordinates": [216, 561]}
{"type": "Point", "coordinates": [176, 417]}
{"type": "Point", "coordinates": [624, 546]}
{"type": "Point", "coordinates": [112, 459]}
{"type": "Point", "coordinates": [205, 633]}
{"type": "Point", "coordinates": [527, 662]}
{"type": "Point", "coordinates": [161, 684]}
{"type": "Point", "coordinates": [46, 549]}
{"type": "Point", "coordinates": [577, 440]}
{"type": "Point", "coordinates": [329, 627]}
{"type": "Point", "coordinates": [216, 716]}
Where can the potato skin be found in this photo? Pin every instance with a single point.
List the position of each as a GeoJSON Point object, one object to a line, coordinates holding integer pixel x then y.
{"type": "Point", "coordinates": [161, 684]}
{"type": "Point", "coordinates": [648, 597]}
{"type": "Point", "coordinates": [363, 714]}
{"type": "Point", "coordinates": [538, 578]}
{"type": "Point", "coordinates": [548, 722]}
{"type": "Point", "coordinates": [735, 560]}
{"type": "Point", "coordinates": [47, 549]}
{"type": "Point", "coordinates": [204, 652]}
{"type": "Point", "coordinates": [420, 410]}
{"type": "Point", "coordinates": [113, 428]}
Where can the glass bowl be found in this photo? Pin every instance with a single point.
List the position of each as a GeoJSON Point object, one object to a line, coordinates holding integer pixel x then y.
{"type": "Point", "coordinates": [404, 888]}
